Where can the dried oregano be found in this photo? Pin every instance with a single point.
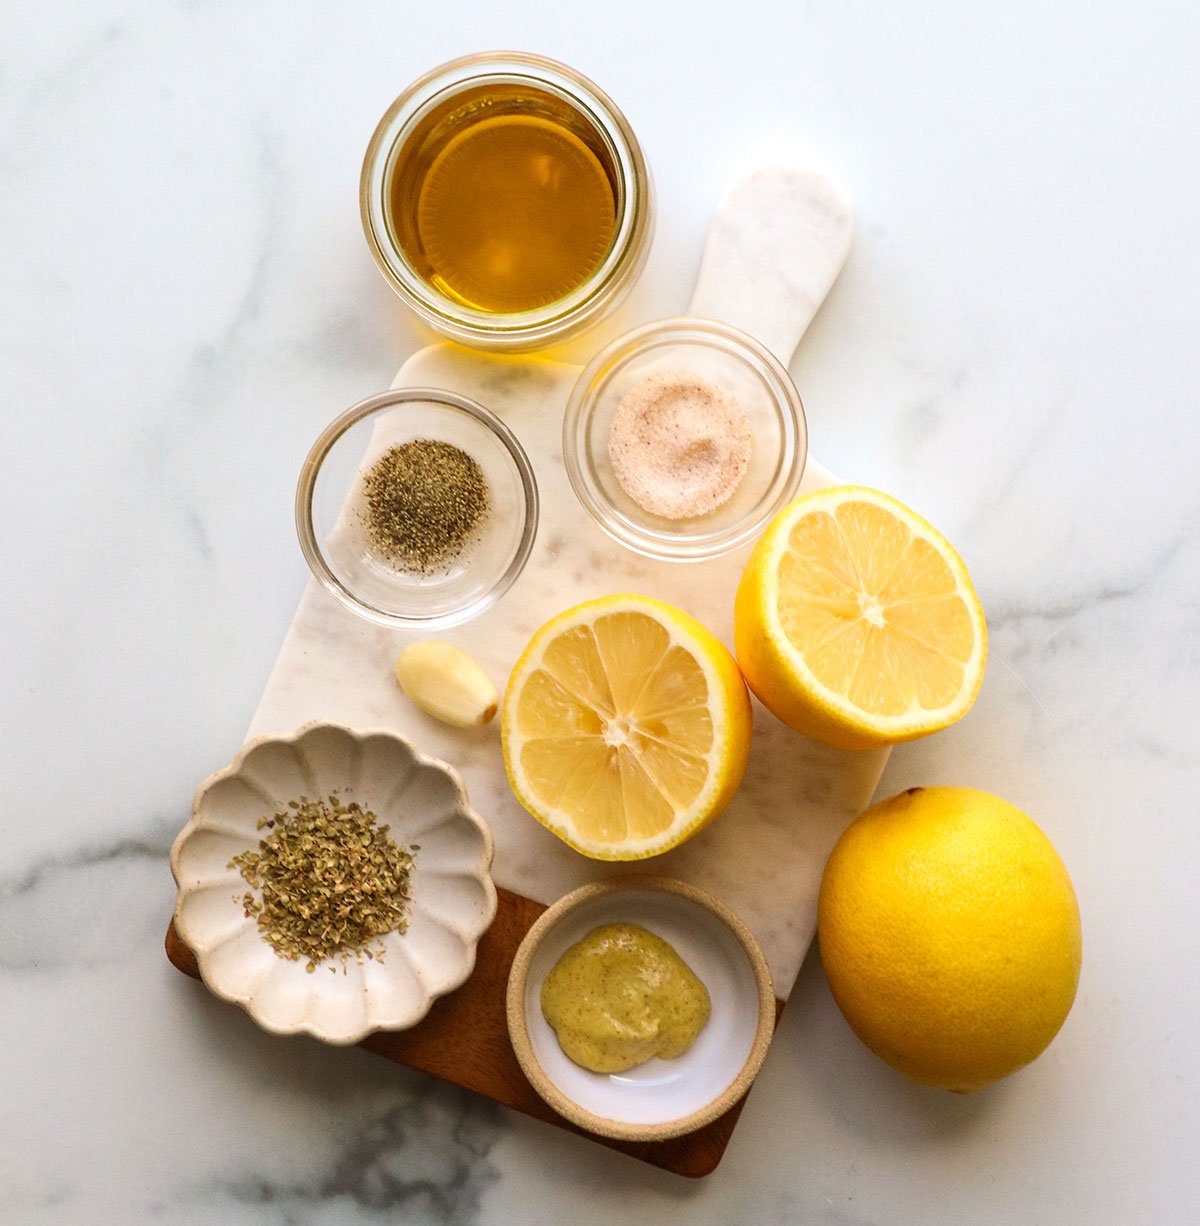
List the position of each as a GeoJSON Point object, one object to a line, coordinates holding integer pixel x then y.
{"type": "Point", "coordinates": [330, 881]}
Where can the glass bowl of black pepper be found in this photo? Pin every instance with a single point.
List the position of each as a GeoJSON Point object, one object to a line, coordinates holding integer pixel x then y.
{"type": "Point", "coordinates": [417, 508]}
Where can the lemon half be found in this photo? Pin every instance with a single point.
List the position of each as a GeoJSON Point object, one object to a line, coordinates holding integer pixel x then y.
{"type": "Point", "coordinates": [857, 623]}
{"type": "Point", "coordinates": [626, 727]}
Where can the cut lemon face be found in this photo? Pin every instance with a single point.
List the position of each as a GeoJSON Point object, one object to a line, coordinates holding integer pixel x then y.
{"type": "Point", "coordinates": [857, 623]}
{"type": "Point", "coordinates": [626, 727]}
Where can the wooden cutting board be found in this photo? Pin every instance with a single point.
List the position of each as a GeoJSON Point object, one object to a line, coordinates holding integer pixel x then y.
{"type": "Point", "coordinates": [775, 247]}
{"type": "Point", "coordinates": [464, 1040]}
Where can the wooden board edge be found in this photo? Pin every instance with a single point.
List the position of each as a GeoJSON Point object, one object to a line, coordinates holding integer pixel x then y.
{"type": "Point", "coordinates": [464, 1041]}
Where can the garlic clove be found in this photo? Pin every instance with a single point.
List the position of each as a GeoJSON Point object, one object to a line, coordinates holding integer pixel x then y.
{"type": "Point", "coordinates": [445, 682]}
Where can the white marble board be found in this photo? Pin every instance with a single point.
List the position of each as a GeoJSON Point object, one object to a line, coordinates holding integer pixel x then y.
{"type": "Point", "coordinates": [776, 245]}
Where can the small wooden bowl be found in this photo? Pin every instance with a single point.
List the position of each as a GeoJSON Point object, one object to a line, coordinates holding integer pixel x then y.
{"type": "Point", "coordinates": [661, 1098]}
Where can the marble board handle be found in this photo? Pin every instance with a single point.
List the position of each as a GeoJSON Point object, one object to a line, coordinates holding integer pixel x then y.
{"type": "Point", "coordinates": [775, 248]}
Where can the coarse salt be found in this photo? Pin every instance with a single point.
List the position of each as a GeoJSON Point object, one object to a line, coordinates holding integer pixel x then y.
{"type": "Point", "coordinates": [679, 445]}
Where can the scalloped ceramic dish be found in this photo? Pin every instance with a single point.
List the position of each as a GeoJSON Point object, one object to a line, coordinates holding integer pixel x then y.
{"type": "Point", "coordinates": [453, 898]}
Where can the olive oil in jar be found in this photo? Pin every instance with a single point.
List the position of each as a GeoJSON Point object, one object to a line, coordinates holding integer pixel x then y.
{"type": "Point", "coordinates": [504, 198]}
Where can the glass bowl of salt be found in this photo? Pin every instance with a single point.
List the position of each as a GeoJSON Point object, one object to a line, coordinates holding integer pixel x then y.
{"type": "Point", "coordinates": [683, 438]}
{"type": "Point", "coordinates": [417, 508]}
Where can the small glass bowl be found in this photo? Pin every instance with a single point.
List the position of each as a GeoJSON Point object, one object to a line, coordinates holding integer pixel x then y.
{"type": "Point", "coordinates": [720, 354]}
{"type": "Point", "coordinates": [588, 302]}
{"type": "Point", "coordinates": [331, 510]}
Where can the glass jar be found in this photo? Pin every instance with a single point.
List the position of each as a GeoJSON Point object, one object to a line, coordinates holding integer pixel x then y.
{"type": "Point", "coordinates": [463, 91]}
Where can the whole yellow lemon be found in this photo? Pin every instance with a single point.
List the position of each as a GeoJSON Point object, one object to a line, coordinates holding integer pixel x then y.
{"type": "Point", "coordinates": [950, 935]}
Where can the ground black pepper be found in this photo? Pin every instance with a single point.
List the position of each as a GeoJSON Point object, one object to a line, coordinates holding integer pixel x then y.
{"type": "Point", "coordinates": [425, 501]}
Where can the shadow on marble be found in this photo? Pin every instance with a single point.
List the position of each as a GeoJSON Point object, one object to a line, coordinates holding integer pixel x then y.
{"type": "Point", "coordinates": [392, 1139]}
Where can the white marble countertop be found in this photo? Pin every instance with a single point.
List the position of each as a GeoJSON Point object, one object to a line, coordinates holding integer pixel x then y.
{"type": "Point", "coordinates": [186, 298]}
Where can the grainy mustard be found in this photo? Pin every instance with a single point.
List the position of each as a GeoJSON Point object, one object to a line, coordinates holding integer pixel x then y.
{"type": "Point", "coordinates": [622, 996]}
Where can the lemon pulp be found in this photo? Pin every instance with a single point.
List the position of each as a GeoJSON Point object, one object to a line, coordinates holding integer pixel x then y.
{"type": "Point", "coordinates": [857, 623]}
{"type": "Point", "coordinates": [626, 727]}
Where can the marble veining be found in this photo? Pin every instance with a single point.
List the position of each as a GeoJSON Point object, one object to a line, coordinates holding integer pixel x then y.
{"type": "Point", "coordinates": [187, 300]}
{"type": "Point", "coordinates": [60, 884]}
{"type": "Point", "coordinates": [423, 1158]}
